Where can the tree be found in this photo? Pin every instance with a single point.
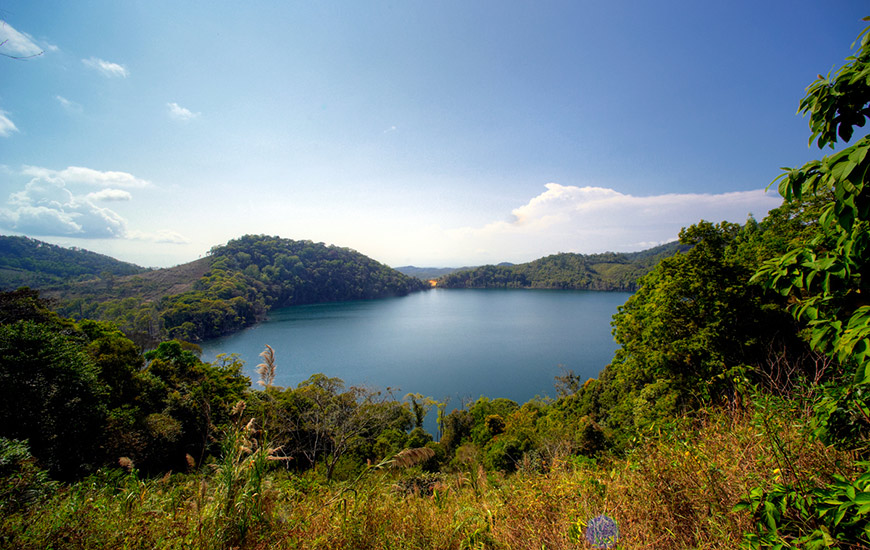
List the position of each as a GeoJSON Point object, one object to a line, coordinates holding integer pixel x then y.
{"type": "Point", "coordinates": [828, 278]}
{"type": "Point", "coordinates": [826, 281]}
{"type": "Point", "coordinates": [50, 395]}
{"type": "Point", "coordinates": [324, 423]}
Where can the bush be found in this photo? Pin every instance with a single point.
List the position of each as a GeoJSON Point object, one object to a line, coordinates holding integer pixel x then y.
{"type": "Point", "coordinates": [21, 480]}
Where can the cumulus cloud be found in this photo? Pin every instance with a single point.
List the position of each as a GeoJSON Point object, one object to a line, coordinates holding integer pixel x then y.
{"type": "Point", "coordinates": [595, 219]}
{"type": "Point", "coordinates": [88, 176]}
{"type": "Point", "coordinates": [178, 112]}
{"type": "Point", "coordinates": [106, 68]}
{"type": "Point", "coordinates": [17, 44]}
{"type": "Point", "coordinates": [53, 203]}
{"type": "Point", "coordinates": [46, 207]}
{"type": "Point", "coordinates": [110, 195]}
{"type": "Point", "coordinates": [6, 125]}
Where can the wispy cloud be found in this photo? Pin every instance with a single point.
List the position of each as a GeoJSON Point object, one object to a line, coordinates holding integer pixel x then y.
{"type": "Point", "coordinates": [88, 176]}
{"type": "Point", "coordinates": [6, 125]}
{"type": "Point", "coordinates": [163, 236]}
{"type": "Point", "coordinates": [70, 106]}
{"type": "Point", "coordinates": [17, 44]}
{"type": "Point", "coordinates": [110, 195]}
{"type": "Point", "coordinates": [178, 112]}
{"type": "Point", "coordinates": [107, 68]}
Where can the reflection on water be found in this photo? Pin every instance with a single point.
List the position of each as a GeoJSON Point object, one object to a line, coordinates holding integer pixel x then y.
{"type": "Point", "coordinates": [456, 344]}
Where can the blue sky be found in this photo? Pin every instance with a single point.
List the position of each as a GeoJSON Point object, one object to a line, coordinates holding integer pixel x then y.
{"type": "Point", "coordinates": [426, 133]}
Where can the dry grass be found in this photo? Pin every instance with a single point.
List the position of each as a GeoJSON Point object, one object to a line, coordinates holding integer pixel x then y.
{"type": "Point", "coordinates": [150, 286]}
{"type": "Point", "coordinates": [676, 491]}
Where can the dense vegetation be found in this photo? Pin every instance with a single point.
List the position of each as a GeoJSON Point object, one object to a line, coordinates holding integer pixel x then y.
{"type": "Point", "coordinates": [32, 263]}
{"type": "Point", "coordinates": [234, 287]}
{"type": "Point", "coordinates": [736, 412]}
{"type": "Point", "coordinates": [608, 271]}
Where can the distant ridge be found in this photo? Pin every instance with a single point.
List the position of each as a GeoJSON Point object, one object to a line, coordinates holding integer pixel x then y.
{"type": "Point", "coordinates": [428, 273]}
{"type": "Point", "coordinates": [607, 271]}
{"type": "Point", "coordinates": [29, 262]}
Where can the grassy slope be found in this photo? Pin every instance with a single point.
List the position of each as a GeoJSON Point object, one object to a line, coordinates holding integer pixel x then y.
{"type": "Point", "coordinates": [676, 491]}
{"type": "Point", "coordinates": [150, 286]}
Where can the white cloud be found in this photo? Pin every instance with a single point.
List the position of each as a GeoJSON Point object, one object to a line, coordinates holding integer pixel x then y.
{"type": "Point", "coordinates": [17, 44]}
{"type": "Point", "coordinates": [107, 68]}
{"type": "Point", "coordinates": [88, 176]}
{"type": "Point", "coordinates": [48, 206]}
{"type": "Point", "coordinates": [70, 106]}
{"type": "Point", "coordinates": [110, 195]}
{"type": "Point", "coordinates": [6, 125]}
{"type": "Point", "coordinates": [586, 220]}
{"type": "Point", "coordinates": [162, 236]}
{"type": "Point", "coordinates": [45, 207]}
{"type": "Point", "coordinates": [178, 112]}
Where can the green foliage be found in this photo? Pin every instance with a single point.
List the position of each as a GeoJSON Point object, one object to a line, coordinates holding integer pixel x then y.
{"type": "Point", "coordinates": [241, 485]}
{"type": "Point", "coordinates": [235, 287]}
{"type": "Point", "coordinates": [25, 304]}
{"type": "Point", "coordinates": [695, 331]}
{"type": "Point", "coordinates": [50, 395]}
{"type": "Point", "coordinates": [608, 271]}
{"type": "Point", "coordinates": [326, 427]}
{"type": "Point", "coordinates": [28, 262]}
{"type": "Point", "coordinates": [826, 279]}
{"type": "Point", "coordinates": [82, 396]}
{"type": "Point", "coordinates": [795, 516]}
{"type": "Point", "coordinates": [22, 482]}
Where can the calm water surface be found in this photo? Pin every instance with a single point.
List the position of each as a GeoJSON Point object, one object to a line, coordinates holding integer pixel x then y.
{"type": "Point", "coordinates": [457, 344]}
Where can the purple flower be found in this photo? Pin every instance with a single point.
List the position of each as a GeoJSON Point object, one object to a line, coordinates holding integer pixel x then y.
{"type": "Point", "coordinates": [602, 532]}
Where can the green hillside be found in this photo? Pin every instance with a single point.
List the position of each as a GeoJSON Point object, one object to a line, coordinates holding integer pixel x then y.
{"type": "Point", "coordinates": [235, 286]}
{"type": "Point", "coordinates": [29, 262]}
{"type": "Point", "coordinates": [607, 271]}
{"type": "Point", "coordinates": [428, 273]}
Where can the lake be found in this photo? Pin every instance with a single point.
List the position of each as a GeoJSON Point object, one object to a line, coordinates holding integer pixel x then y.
{"type": "Point", "coordinates": [456, 344]}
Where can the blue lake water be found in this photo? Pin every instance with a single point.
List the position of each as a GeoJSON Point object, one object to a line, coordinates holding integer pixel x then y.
{"type": "Point", "coordinates": [456, 344]}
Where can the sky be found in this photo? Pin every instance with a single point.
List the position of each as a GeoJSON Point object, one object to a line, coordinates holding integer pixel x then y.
{"type": "Point", "coordinates": [446, 133]}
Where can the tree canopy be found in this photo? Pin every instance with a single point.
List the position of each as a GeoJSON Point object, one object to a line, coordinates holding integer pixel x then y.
{"type": "Point", "coordinates": [608, 271]}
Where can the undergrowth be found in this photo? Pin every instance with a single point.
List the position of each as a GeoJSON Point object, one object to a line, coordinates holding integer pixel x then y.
{"type": "Point", "coordinates": [678, 489]}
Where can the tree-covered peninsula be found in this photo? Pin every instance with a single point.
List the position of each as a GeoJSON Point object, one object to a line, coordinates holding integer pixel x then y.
{"type": "Point", "coordinates": [607, 271]}
{"type": "Point", "coordinates": [233, 287]}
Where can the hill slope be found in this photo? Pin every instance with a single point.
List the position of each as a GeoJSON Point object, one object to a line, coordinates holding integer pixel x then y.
{"type": "Point", "coordinates": [235, 286]}
{"type": "Point", "coordinates": [29, 262]}
{"type": "Point", "coordinates": [607, 271]}
{"type": "Point", "coordinates": [428, 273]}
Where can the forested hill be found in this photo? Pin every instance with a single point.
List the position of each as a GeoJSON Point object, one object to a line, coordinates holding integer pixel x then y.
{"type": "Point", "coordinates": [29, 262]}
{"type": "Point", "coordinates": [428, 273]}
{"type": "Point", "coordinates": [235, 286]}
{"type": "Point", "coordinates": [607, 271]}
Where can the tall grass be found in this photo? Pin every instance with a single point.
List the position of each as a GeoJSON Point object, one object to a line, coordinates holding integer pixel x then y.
{"type": "Point", "coordinates": [677, 490]}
